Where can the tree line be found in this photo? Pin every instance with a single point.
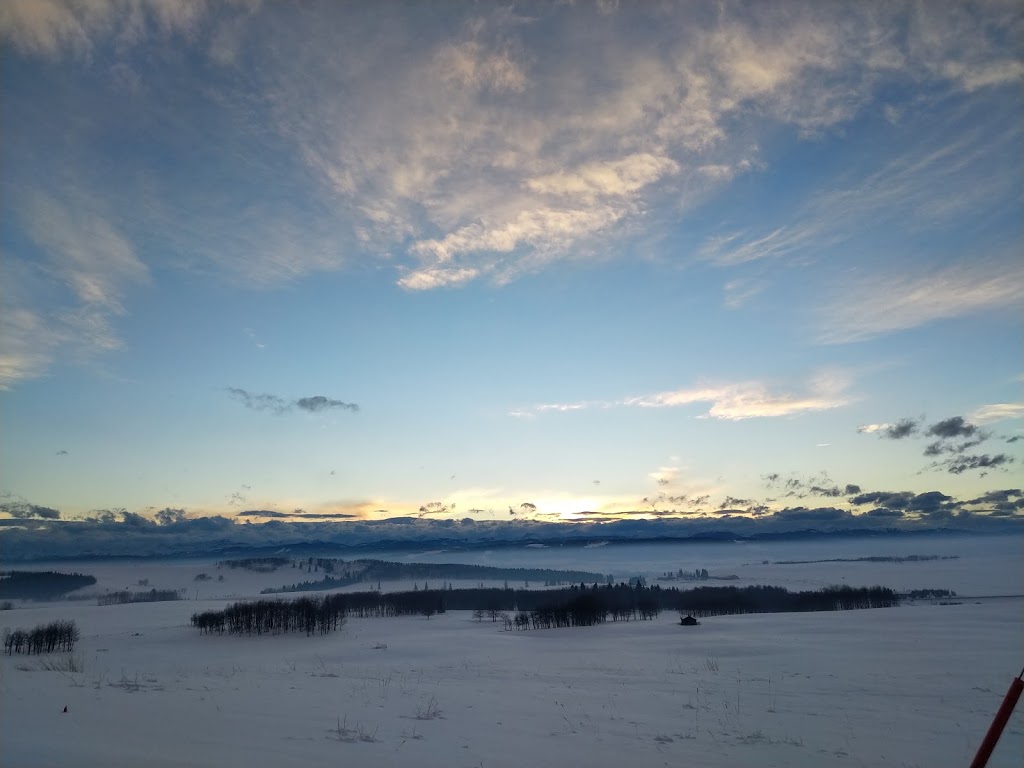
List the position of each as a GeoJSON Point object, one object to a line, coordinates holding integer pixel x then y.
{"type": "Point", "coordinates": [585, 609]}
{"type": "Point", "coordinates": [586, 606]}
{"type": "Point", "coordinates": [575, 606]}
{"type": "Point", "coordinates": [928, 594]}
{"type": "Point", "coordinates": [341, 573]}
{"type": "Point", "coordinates": [872, 559]}
{"type": "Point", "coordinates": [623, 602]}
{"type": "Point", "coordinates": [60, 635]}
{"type": "Point", "coordinates": [715, 601]}
{"type": "Point", "coordinates": [41, 585]}
{"type": "Point", "coordinates": [152, 596]}
{"type": "Point", "coordinates": [259, 564]}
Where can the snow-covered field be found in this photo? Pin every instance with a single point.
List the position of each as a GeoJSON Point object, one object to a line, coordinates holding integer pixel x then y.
{"type": "Point", "coordinates": [983, 566]}
{"type": "Point", "coordinates": [909, 686]}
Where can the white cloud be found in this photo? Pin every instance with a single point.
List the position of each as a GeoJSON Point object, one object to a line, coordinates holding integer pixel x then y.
{"type": "Point", "coordinates": [563, 407]}
{"type": "Point", "coordinates": [471, 65]}
{"type": "Point", "coordinates": [426, 279]}
{"type": "Point", "coordinates": [748, 401]}
{"type": "Point", "coordinates": [676, 397]}
{"type": "Point", "coordinates": [987, 414]}
{"type": "Point", "coordinates": [665, 476]}
{"type": "Point", "coordinates": [721, 171]}
{"type": "Point", "coordinates": [613, 178]}
{"type": "Point", "coordinates": [542, 227]}
{"type": "Point", "coordinates": [491, 146]}
{"type": "Point", "coordinates": [590, 135]}
{"type": "Point", "coordinates": [732, 402]}
{"type": "Point", "coordinates": [954, 41]}
{"type": "Point", "coordinates": [871, 428]}
{"type": "Point", "coordinates": [481, 149]}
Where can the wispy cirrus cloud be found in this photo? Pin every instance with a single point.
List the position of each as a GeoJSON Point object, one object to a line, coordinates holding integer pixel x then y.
{"type": "Point", "coordinates": [488, 151]}
{"type": "Point", "coordinates": [947, 173]}
{"type": "Point", "coordinates": [94, 259]}
{"type": "Point", "coordinates": [28, 342]}
{"type": "Point", "coordinates": [739, 292]}
{"type": "Point", "coordinates": [485, 148]}
{"type": "Point", "coordinates": [736, 248]}
{"type": "Point", "coordinates": [467, 160]}
{"type": "Point", "coordinates": [954, 176]}
{"type": "Point", "coordinates": [86, 265]}
{"type": "Point", "coordinates": [53, 28]}
{"type": "Point", "coordinates": [888, 303]}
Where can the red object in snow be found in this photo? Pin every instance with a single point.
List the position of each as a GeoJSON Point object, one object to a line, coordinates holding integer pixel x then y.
{"type": "Point", "coordinates": [1001, 718]}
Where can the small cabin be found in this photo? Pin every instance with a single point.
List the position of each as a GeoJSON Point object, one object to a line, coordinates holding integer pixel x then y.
{"type": "Point", "coordinates": [688, 621]}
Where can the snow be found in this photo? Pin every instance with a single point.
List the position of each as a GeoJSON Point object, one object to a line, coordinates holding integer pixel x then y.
{"type": "Point", "coordinates": [984, 566]}
{"type": "Point", "coordinates": [910, 686]}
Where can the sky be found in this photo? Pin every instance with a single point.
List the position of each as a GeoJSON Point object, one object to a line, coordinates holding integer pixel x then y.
{"type": "Point", "coordinates": [544, 261]}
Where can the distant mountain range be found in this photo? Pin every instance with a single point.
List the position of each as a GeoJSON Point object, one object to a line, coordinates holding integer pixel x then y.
{"type": "Point", "coordinates": [33, 540]}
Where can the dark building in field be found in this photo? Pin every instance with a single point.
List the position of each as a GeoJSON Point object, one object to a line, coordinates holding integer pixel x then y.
{"type": "Point", "coordinates": [688, 621]}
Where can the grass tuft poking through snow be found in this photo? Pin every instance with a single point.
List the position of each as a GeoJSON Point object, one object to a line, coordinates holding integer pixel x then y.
{"type": "Point", "coordinates": [430, 710]}
{"type": "Point", "coordinates": [350, 735]}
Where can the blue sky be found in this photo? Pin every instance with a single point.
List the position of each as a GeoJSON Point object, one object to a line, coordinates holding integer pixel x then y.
{"type": "Point", "coordinates": [596, 258]}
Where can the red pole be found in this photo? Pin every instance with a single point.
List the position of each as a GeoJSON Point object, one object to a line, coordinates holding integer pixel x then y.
{"type": "Point", "coordinates": [1001, 718]}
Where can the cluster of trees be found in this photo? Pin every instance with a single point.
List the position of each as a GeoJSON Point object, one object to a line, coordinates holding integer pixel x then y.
{"type": "Point", "coordinates": [576, 606]}
{"type": "Point", "coordinates": [152, 596]}
{"type": "Point", "coordinates": [619, 602]}
{"type": "Point", "coordinates": [258, 564]}
{"type": "Point", "coordinates": [424, 602]}
{"type": "Point", "coordinates": [41, 585]}
{"type": "Point", "coordinates": [58, 635]}
{"type": "Point", "coordinates": [697, 574]}
{"type": "Point", "coordinates": [584, 606]}
{"type": "Point", "coordinates": [312, 615]}
{"type": "Point", "coordinates": [929, 594]}
{"type": "Point", "coordinates": [341, 573]}
{"type": "Point", "coordinates": [715, 601]}
{"type": "Point", "coordinates": [381, 570]}
{"type": "Point", "coordinates": [327, 582]}
{"type": "Point", "coordinates": [587, 608]}
{"type": "Point", "coordinates": [872, 559]}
